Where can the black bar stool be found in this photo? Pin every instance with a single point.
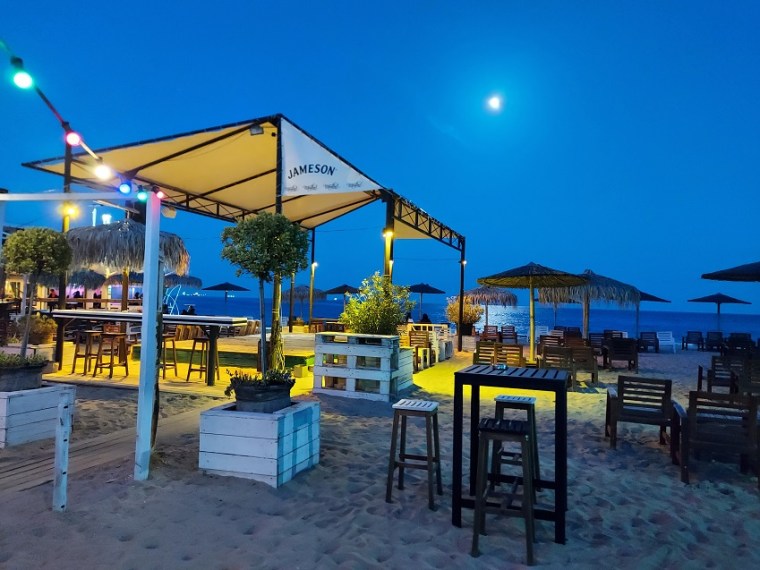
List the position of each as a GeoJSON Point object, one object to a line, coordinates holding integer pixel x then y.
{"type": "Point", "coordinates": [527, 404]}
{"type": "Point", "coordinates": [112, 351]}
{"type": "Point", "coordinates": [200, 344]}
{"type": "Point", "coordinates": [505, 431]}
{"type": "Point", "coordinates": [167, 338]}
{"type": "Point", "coordinates": [431, 461]}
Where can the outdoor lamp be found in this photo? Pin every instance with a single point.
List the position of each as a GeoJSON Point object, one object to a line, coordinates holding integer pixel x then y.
{"type": "Point", "coordinates": [158, 192]}
{"type": "Point", "coordinates": [125, 188]}
{"type": "Point", "coordinates": [21, 78]}
{"type": "Point", "coordinates": [69, 209]}
{"type": "Point", "coordinates": [73, 138]}
{"type": "Point", "coordinates": [103, 172]}
{"type": "Point", "coordinates": [142, 195]}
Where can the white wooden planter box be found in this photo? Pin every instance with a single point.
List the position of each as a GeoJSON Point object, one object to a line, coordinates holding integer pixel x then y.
{"type": "Point", "coordinates": [271, 448]}
{"type": "Point", "coordinates": [371, 367]}
{"type": "Point", "coordinates": [30, 415]}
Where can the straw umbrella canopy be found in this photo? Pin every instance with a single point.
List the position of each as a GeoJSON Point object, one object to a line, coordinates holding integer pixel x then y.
{"type": "Point", "coordinates": [596, 288]}
{"type": "Point", "coordinates": [301, 294]}
{"type": "Point", "coordinates": [120, 246]}
{"type": "Point", "coordinates": [746, 272]}
{"type": "Point", "coordinates": [487, 295]}
{"type": "Point", "coordinates": [424, 288]}
{"type": "Point", "coordinates": [532, 276]}
{"type": "Point", "coordinates": [719, 299]}
{"type": "Point", "coordinates": [170, 280]}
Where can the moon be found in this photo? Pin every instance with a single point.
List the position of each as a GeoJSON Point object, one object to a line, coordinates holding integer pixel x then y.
{"type": "Point", "coordinates": [494, 103]}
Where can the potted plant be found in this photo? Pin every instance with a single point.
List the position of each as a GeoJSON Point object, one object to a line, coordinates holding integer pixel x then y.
{"type": "Point", "coordinates": [20, 372]}
{"type": "Point", "coordinates": [470, 315]}
{"type": "Point", "coordinates": [267, 246]}
{"type": "Point", "coordinates": [378, 308]}
{"type": "Point", "coordinates": [263, 393]}
{"type": "Point", "coordinates": [41, 328]}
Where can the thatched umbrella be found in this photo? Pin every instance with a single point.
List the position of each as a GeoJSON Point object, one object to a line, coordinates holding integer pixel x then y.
{"type": "Point", "coordinates": [301, 294]}
{"type": "Point", "coordinates": [86, 278]}
{"type": "Point", "coordinates": [529, 277]}
{"type": "Point", "coordinates": [170, 280]}
{"type": "Point", "coordinates": [596, 288]}
{"type": "Point", "coordinates": [120, 246]}
{"type": "Point", "coordinates": [487, 295]}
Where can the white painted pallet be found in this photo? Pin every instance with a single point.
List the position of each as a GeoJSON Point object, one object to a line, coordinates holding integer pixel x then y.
{"type": "Point", "coordinates": [370, 367]}
{"type": "Point", "coordinates": [271, 448]}
{"type": "Point", "coordinates": [30, 415]}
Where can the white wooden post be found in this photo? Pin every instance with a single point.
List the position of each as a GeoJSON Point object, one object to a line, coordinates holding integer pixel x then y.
{"type": "Point", "coordinates": [62, 436]}
{"type": "Point", "coordinates": [149, 350]}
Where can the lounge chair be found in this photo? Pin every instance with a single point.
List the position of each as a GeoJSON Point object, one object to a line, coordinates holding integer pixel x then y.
{"type": "Point", "coordinates": [642, 401]}
{"type": "Point", "coordinates": [557, 357]}
{"type": "Point", "coordinates": [724, 372]}
{"type": "Point", "coordinates": [693, 337]}
{"type": "Point", "coordinates": [584, 360]}
{"type": "Point", "coordinates": [648, 340]}
{"type": "Point", "coordinates": [739, 342]}
{"type": "Point", "coordinates": [665, 338]}
{"type": "Point", "coordinates": [540, 330]}
{"type": "Point", "coordinates": [485, 352]}
{"type": "Point", "coordinates": [490, 332]}
{"type": "Point", "coordinates": [721, 423]}
{"type": "Point", "coordinates": [626, 349]}
{"type": "Point", "coordinates": [509, 354]}
{"type": "Point", "coordinates": [714, 341]}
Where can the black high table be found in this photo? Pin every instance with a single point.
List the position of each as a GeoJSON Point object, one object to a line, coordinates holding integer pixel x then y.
{"type": "Point", "coordinates": [542, 379]}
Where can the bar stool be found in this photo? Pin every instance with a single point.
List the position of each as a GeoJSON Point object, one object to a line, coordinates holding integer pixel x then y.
{"type": "Point", "coordinates": [112, 351]}
{"type": "Point", "coordinates": [515, 431]}
{"type": "Point", "coordinates": [430, 461]}
{"type": "Point", "coordinates": [86, 344]}
{"type": "Point", "coordinates": [200, 343]}
{"type": "Point", "coordinates": [168, 337]}
{"type": "Point", "coordinates": [528, 404]}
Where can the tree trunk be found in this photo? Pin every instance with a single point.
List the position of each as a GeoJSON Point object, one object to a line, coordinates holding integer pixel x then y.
{"type": "Point", "coordinates": [125, 289]}
{"type": "Point", "coordinates": [278, 355]}
{"type": "Point", "coordinates": [263, 352]}
{"type": "Point", "coordinates": [32, 287]}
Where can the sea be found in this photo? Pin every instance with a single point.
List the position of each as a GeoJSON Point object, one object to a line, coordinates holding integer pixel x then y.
{"type": "Point", "coordinates": [601, 318]}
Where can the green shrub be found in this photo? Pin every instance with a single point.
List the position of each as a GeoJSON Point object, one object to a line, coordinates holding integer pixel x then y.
{"type": "Point", "coordinates": [378, 308]}
{"type": "Point", "coordinates": [470, 315]}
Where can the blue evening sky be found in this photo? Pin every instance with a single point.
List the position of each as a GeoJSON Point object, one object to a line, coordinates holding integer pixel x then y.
{"type": "Point", "coordinates": [628, 143]}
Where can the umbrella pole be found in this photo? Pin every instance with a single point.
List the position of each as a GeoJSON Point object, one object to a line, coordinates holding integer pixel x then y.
{"type": "Point", "coordinates": [532, 327]}
{"type": "Point", "coordinates": [586, 310]}
{"type": "Point", "coordinates": [718, 315]}
{"type": "Point", "coordinates": [420, 311]}
{"type": "Point", "coordinates": [637, 318]}
{"type": "Point", "coordinates": [486, 313]}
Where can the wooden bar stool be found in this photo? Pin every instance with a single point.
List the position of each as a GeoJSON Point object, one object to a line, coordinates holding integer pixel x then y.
{"type": "Point", "coordinates": [527, 404]}
{"type": "Point", "coordinates": [431, 461]}
{"type": "Point", "coordinates": [167, 338]}
{"type": "Point", "coordinates": [86, 344]}
{"type": "Point", "coordinates": [112, 351]}
{"type": "Point", "coordinates": [200, 344]}
{"type": "Point", "coordinates": [505, 431]}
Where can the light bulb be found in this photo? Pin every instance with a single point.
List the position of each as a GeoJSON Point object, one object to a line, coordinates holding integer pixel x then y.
{"type": "Point", "coordinates": [103, 172]}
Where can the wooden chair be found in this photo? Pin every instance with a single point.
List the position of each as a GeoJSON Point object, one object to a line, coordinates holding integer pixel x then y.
{"type": "Point", "coordinates": [540, 330]}
{"type": "Point", "coordinates": [642, 401]}
{"type": "Point", "coordinates": [584, 360]}
{"type": "Point", "coordinates": [557, 357]}
{"type": "Point", "coordinates": [714, 341]}
{"type": "Point", "coordinates": [648, 340]}
{"type": "Point", "coordinates": [576, 342]}
{"type": "Point", "coordinates": [622, 349]}
{"type": "Point", "coordinates": [423, 351]}
{"type": "Point", "coordinates": [485, 352]}
{"type": "Point", "coordinates": [490, 332]}
{"type": "Point", "coordinates": [665, 338]}
{"type": "Point", "coordinates": [548, 340]}
{"type": "Point", "coordinates": [693, 337]}
{"type": "Point", "coordinates": [508, 331]}
{"type": "Point", "coordinates": [749, 381]}
{"type": "Point", "coordinates": [724, 372]}
{"type": "Point", "coordinates": [739, 343]}
{"type": "Point", "coordinates": [596, 340]}
{"type": "Point", "coordinates": [509, 354]}
{"type": "Point", "coordinates": [721, 423]}
{"type": "Point", "coordinates": [609, 333]}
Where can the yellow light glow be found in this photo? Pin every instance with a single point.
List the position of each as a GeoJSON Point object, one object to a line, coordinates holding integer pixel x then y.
{"type": "Point", "coordinates": [70, 210]}
{"type": "Point", "coordinates": [314, 265]}
{"type": "Point", "coordinates": [387, 234]}
{"type": "Point", "coordinates": [103, 172]}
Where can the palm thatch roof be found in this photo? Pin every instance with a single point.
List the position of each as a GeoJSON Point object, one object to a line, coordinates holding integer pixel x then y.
{"type": "Point", "coordinates": [487, 295]}
{"type": "Point", "coordinates": [301, 293]}
{"type": "Point", "coordinates": [86, 278]}
{"type": "Point", "coordinates": [122, 244]}
{"type": "Point", "coordinates": [596, 288]}
{"type": "Point", "coordinates": [170, 280]}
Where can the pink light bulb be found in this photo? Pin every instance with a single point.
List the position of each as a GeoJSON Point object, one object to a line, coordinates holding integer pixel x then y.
{"type": "Point", "coordinates": [73, 138]}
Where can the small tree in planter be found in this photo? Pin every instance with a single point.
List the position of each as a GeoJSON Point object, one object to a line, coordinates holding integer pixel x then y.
{"type": "Point", "coordinates": [470, 315]}
{"type": "Point", "coordinates": [35, 251]}
{"type": "Point", "coordinates": [263, 393]}
{"type": "Point", "coordinates": [267, 246]}
{"type": "Point", "coordinates": [379, 307]}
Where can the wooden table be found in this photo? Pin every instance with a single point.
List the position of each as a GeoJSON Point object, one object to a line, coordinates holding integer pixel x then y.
{"type": "Point", "coordinates": [211, 324]}
{"type": "Point", "coordinates": [542, 379]}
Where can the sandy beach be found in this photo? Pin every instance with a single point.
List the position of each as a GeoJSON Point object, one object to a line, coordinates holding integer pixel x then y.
{"type": "Point", "coordinates": [627, 507]}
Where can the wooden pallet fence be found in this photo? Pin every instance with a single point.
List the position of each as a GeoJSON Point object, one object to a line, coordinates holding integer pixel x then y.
{"type": "Point", "coordinates": [370, 367]}
{"type": "Point", "coordinates": [271, 448]}
{"type": "Point", "coordinates": [30, 415]}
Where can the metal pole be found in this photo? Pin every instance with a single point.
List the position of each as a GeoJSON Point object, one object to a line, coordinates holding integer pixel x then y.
{"type": "Point", "coordinates": [462, 263]}
{"type": "Point", "coordinates": [61, 328]}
